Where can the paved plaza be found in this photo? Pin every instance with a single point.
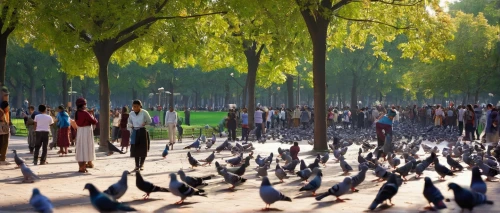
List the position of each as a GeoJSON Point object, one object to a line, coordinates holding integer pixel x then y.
{"type": "Point", "coordinates": [61, 183]}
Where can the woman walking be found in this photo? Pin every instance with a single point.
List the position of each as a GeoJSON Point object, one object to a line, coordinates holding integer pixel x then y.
{"type": "Point", "coordinates": [171, 122]}
{"type": "Point", "coordinates": [85, 152]}
{"type": "Point", "coordinates": [139, 143]}
{"type": "Point", "coordinates": [63, 123]}
{"type": "Point", "coordinates": [116, 126]}
{"type": "Point", "coordinates": [469, 123]}
{"type": "Point", "coordinates": [124, 130]}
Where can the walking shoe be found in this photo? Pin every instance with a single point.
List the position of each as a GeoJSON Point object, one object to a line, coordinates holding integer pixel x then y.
{"type": "Point", "coordinates": [44, 163]}
{"type": "Point", "coordinates": [135, 170]}
{"type": "Point", "coordinates": [142, 168]}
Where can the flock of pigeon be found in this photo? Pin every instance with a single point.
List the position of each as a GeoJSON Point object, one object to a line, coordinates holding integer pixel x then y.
{"type": "Point", "coordinates": [384, 161]}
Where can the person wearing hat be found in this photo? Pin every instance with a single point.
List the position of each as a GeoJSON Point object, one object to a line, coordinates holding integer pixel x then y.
{"type": "Point", "coordinates": [384, 127]}
{"type": "Point", "coordinates": [85, 152]}
{"type": "Point", "coordinates": [5, 117]}
{"type": "Point", "coordinates": [139, 139]}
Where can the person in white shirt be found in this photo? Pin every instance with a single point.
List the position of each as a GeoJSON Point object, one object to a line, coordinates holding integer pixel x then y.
{"type": "Point", "coordinates": [282, 117]}
{"type": "Point", "coordinates": [171, 122]}
{"type": "Point", "coordinates": [461, 112]}
{"type": "Point", "coordinates": [438, 116]}
{"type": "Point", "coordinates": [42, 128]}
{"type": "Point", "coordinates": [139, 138]}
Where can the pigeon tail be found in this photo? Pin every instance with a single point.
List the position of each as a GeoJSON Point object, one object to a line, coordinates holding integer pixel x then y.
{"type": "Point", "coordinates": [489, 202]}
{"type": "Point", "coordinates": [374, 205]}
{"type": "Point", "coordinates": [321, 196]}
{"type": "Point", "coordinates": [285, 198]}
{"type": "Point", "coordinates": [439, 205]}
{"type": "Point", "coordinates": [126, 208]}
{"type": "Point", "coordinates": [206, 178]}
{"type": "Point", "coordinates": [159, 189]}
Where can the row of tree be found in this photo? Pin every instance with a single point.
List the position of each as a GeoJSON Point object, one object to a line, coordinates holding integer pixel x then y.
{"type": "Point", "coordinates": [267, 40]}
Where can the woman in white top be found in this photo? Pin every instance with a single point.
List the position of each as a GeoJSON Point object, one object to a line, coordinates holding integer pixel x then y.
{"type": "Point", "coordinates": [116, 126]}
{"type": "Point", "coordinates": [171, 122]}
{"type": "Point", "coordinates": [438, 116]}
{"type": "Point", "coordinates": [139, 138]}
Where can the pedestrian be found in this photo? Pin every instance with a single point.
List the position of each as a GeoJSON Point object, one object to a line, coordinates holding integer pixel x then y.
{"type": "Point", "coordinates": [438, 116]}
{"type": "Point", "coordinates": [492, 128]}
{"type": "Point", "coordinates": [478, 113]}
{"type": "Point", "coordinates": [289, 119]}
{"type": "Point", "coordinates": [231, 125]}
{"type": "Point", "coordinates": [384, 128]}
{"type": "Point", "coordinates": [115, 129]}
{"type": "Point", "coordinates": [244, 125]}
{"type": "Point", "coordinates": [346, 117]}
{"type": "Point", "coordinates": [258, 119]}
{"type": "Point", "coordinates": [329, 117]}
{"type": "Point", "coordinates": [296, 116]}
{"type": "Point", "coordinates": [294, 151]}
{"type": "Point", "coordinates": [361, 118]}
{"type": "Point", "coordinates": [180, 130]}
{"type": "Point", "coordinates": [125, 132]}
{"type": "Point", "coordinates": [282, 117]}
{"type": "Point", "coordinates": [469, 120]}
{"type": "Point", "coordinates": [84, 146]}
{"type": "Point", "coordinates": [30, 126]}
{"type": "Point", "coordinates": [139, 139]}
{"type": "Point", "coordinates": [304, 118]}
{"type": "Point", "coordinates": [335, 118]}
{"type": "Point", "coordinates": [187, 116]}
{"type": "Point", "coordinates": [171, 122]}
{"type": "Point", "coordinates": [6, 122]}
{"type": "Point", "coordinates": [42, 128]}
{"type": "Point", "coordinates": [269, 118]}
{"type": "Point", "coordinates": [63, 123]}
{"type": "Point", "coordinates": [461, 112]}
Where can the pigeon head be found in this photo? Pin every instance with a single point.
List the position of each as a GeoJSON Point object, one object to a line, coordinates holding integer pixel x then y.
{"type": "Point", "coordinates": [319, 173]}
{"type": "Point", "coordinates": [36, 191]}
{"type": "Point", "coordinates": [189, 154]}
{"type": "Point", "coordinates": [455, 187]}
{"type": "Point", "coordinates": [316, 160]}
{"type": "Point", "coordinates": [363, 167]}
{"type": "Point", "coordinates": [265, 182]}
{"type": "Point", "coordinates": [347, 180]}
{"type": "Point", "coordinates": [92, 189]}
{"type": "Point", "coordinates": [360, 151]}
{"type": "Point", "coordinates": [14, 151]}
{"type": "Point", "coordinates": [173, 177]}
{"type": "Point", "coordinates": [428, 182]}
{"type": "Point", "coordinates": [181, 174]}
{"type": "Point", "coordinates": [217, 164]}
{"type": "Point", "coordinates": [476, 174]}
{"type": "Point", "coordinates": [302, 163]}
{"type": "Point", "coordinates": [435, 161]}
{"type": "Point", "coordinates": [124, 177]}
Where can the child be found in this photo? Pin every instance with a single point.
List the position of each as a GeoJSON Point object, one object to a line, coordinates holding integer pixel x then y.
{"type": "Point", "coordinates": [42, 128]}
{"type": "Point", "coordinates": [63, 123]}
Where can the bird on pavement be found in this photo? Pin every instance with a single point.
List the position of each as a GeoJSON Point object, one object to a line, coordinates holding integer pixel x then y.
{"type": "Point", "coordinates": [442, 170]}
{"type": "Point", "coordinates": [146, 186]}
{"type": "Point", "coordinates": [40, 203]}
{"type": "Point", "coordinates": [433, 195]}
{"type": "Point", "coordinates": [346, 168]}
{"type": "Point", "coordinates": [269, 194]}
{"type": "Point", "coordinates": [405, 169]}
{"type": "Point", "coordinates": [291, 166]}
{"type": "Point", "coordinates": [103, 202]}
{"type": "Point", "coordinates": [477, 183]}
{"type": "Point", "coordinates": [165, 152]}
{"type": "Point", "coordinates": [454, 164]}
{"type": "Point", "coordinates": [337, 190]}
{"type": "Point", "coordinates": [314, 184]}
{"type": "Point", "coordinates": [359, 178]}
{"type": "Point", "coordinates": [192, 161]}
{"type": "Point", "coordinates": [17, 159]}
{"type": "Point", "coordinates": [235, 161]}
{"type": "Point", "coordinates": [386, 192]}
{"type": "Point", "coordinates": [209, 159]}
{"type": "Point", "coordinates": [112, 148]}
{"type": "Point", "coordinates": [195, 145]}
{"type": "Point", "coordinates": [467, 199]}
{"type": "Point", "coordinates": [279, 172]}
{"type": "Point", "coordinates": [193, 181]}
{"type": "Point", "coordinates": [29, 176]}
{"type": "Point", "coordinates": [232, 179]}
{"type": "Point", "coordinates": [118, 189]}
{"type": "Point", "coordinates": [182, 189]}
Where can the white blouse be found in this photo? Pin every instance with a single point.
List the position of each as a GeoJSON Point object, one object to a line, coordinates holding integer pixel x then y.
{"type": "Point", "coordinates": [140, 119]}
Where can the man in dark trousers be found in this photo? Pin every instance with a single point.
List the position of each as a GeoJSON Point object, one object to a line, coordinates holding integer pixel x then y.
{"type": "Point", "coordinates": [187, 116]}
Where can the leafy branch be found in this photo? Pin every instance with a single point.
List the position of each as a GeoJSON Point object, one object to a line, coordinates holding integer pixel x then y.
{"type": "Point", "coordinates": [377, 22]}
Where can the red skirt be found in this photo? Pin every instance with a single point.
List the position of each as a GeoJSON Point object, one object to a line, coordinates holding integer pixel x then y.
{"type": "Point", "coordinates": [63, 137]}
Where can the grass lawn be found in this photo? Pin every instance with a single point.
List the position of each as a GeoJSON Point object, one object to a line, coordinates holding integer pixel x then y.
{"type": "Point", "coordinates": [198, 121]}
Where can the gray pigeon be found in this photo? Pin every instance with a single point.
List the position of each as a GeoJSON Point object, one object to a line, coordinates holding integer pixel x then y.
{"type": "Point", "coordinates": [279, 172]}
{"type": "Point", "coordinates": [393, 160]}
{"type": "Point", "coordinates": [477, 183]}
{"type": "Point", "coordinates": [325, 158]}
{"type": "Point", "coordinates": [304, 174]}
{"type": "Point", "coordinates": [232, 179]}
{"type": "Point", "coordinates": [182, 190]}
{"type": "Point", "coordinates": [386, 192]}
{"type": "Point", "coordinates": [291, 166]}
{"type": "Point", "coordinates": [381, 173]}
{"type": "Point", "coordinates": [344, 165]}
{"type": "Point", "coordinates": [118, 189]}
{"type": "Point", "coordinates": [442, 170]}
{"type": "Point", "coordinates": [235, 161]}
{"type": "Point", "coordinates": [270, 195]}
{"type": "Point", "coordinates": [358, 178]}
{"type": "Point", "coordinates": [193, 181]}
{"type": "Point", "coordinates": [29, 176]}
{"type": "Point", "coordinates": [405, 169]}
{"type": "Point", "coordinates": [314, 184]}
{"type": "Point", "coordinates": [17, 159]}
{"type": "Point", "coordinates": [453, 163]}
{"type": "Point", "coordinates": [262, 171]}
{"type": "Point", "coordinates": [433, 195]}
{"type": "Point", "coordinates": [209, 159]}
{"type": "Point", "coordinates": [40, 203]}
{"type": "Point", "coordinates": [338, 189]}
{"type": "Point", "coordinates": [468, 199]}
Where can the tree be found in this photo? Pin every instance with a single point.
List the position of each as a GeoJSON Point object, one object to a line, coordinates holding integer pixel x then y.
{"type": "Point", "coordinates": [86, 35]}
{"type": "Point", "coordinates": [351, 22]}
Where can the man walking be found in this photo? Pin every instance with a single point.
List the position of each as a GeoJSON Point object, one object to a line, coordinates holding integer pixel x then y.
{"type": "Point", "coordinates": [171, 122]}
{"type": "Point", "coordinates": [42, 128]}
{"type": "Point", "coordinates": [258, 122]}
{"type": "Point", "coordinates": [461, 112]}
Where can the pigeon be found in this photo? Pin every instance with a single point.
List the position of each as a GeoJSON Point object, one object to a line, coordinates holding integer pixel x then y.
{"type": "Point", "coordinates": [381, 173]}
{"type": "Point", "coordinates": [17, 159]}
{"type": "Point", "coordinates": [468, 199]}
{"type": "Point", "coordinates": [192, 161]}
{"type": "Point", "coordinates": [393, 161]}
{"type": "Point", "coordinates": [270, 195]}
{"type": "Point", "coordinates": [386, 192]}
{"type": "Point", "coordinates": [218, 167]}
{"type": "Point", "coordinates": [344, 165]}
{"type": "Point", "coordinates": [361, 159]}
{"type": "Point", "coordinates": [182, 189]}
{"type": "Point", "coordinates": [304, 174]}
{"type": "Point", "coordinates": [118, 189]}
{"type": "Point", "coordinates": [358, 178]}
{"type": "Point", "coordinates": [232, 179]}
{"type": "Point", "coordinates": [314, 165]}
{"type": "Point", "coordinates": [211, 142]}
{"type": "Point", "coordinates": [405, 169]}
{"type": "Point", "coordinates": [195, 145]}
{"type": "Point", "coordinates": [477, 183]}
{"type": "Point", "coordinates": [260, 161]}
{"type": "Point", "coordinates": [486, 170]}
{"type": "Point", "coordinates": [40, 203]}
{"type": "Point", "coordinates": [314, 184]}
{"type": "Point", "coordinates": [235, 161]}
{"type": "Point", "coordinates": [29, 176]}
{"type": "Point", "coordinates": [165, 152]}
{"type": "Point", "coordinates": [269, 158]}
{"type": "Point", "coordinates": [442, 170]}
{"type": "Point", "coordinates": [419, 170]}
{"type": "Point", "coordinates": [240, 171]}
{"type": "Point", "coordinates": [112, 148]}
{"type": "Point", "coordinates": [433, 195]}
{"type": "Point", "coordinates": [281, 151]}
{"type": "Point", "coordinates": [193, 181]}
{"type": "Point", "coordinates": [103, 202]}
{"type": "Point", "coordinates": [338, 189]}
{"type": "Point", "coordinates": [146, 186]}
{"type": "Point", "coordinates": [302, 165]}
{"type": "Point", "coordinates": [209, 159]}
{"type": "Point", "coordinates": [291, 166]}
{"type": "Point", "coordinates": [222, 146]}
{"type": "Point", "coordinates": [286, 157]}
{"type": "Point", "coordinates": [279, 172]}
{"type": "Point", "coordinates": [454, 164]}
{"type": "Point", "coordinates": [262, 171]}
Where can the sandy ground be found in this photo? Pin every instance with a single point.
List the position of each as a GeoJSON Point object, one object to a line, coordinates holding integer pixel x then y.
{"type": "Point", "coordinates": [63, 185]}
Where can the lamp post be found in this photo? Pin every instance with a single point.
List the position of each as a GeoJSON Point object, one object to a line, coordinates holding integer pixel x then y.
{"type": "Point", "coordinates": [160, 90]}
{"type": "Point", "coordinates": [243, 99]}
{"type": "Point", "coordinates": [43, 94]}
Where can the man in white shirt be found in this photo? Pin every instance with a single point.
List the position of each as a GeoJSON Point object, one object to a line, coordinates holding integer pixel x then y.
{"type": "Point", "coordinates": [42, 128]}
{"type": "Point", "coordinates": [296, 116]}
{"type": "Point", "coordinates": [461, 112]}
{"type": "Point", "coordinates": [171, 122]}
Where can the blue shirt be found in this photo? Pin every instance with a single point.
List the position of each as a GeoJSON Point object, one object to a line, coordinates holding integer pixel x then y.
{"type": "Point", "coordinates": [62, 120]}
{"type": "Point", "coordinates": [244, 118]}
{"type": "Point", "coordinates": [385, 120]}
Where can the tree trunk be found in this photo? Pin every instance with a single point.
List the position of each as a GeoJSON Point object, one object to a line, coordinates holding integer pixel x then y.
{"type": "Point", "coordinates": [354, 90]}
{"type": "Point", "coordinates": [3, 52]}
{"type": "Point", "coordinates": [289, 88]}
{"type": "Point", "coordinates": [253, 58]}
{"type": "Point", "coordinates": [33, 90]}
{"type": "Point", "coordinates": [171, 95]}
{"type": "Point", "coordinates": [19, 94]}
{"type": "Point", "coordinates": [103, 51]}
{"type": "Point", "coordinates": [317, 26]}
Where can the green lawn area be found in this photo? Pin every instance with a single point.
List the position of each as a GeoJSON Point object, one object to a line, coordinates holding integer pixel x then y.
{"type": "Point", "coordinates": [198, 121]}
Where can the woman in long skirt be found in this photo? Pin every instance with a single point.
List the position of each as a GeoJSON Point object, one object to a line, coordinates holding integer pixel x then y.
{"type": "Point", "coordinates": [85, 152]}
{"type": "Point", "coordinates": [63, 123]}
{"type": "Point", "coordinates": [139, 143]}
{"type": "Point", "coordinates": [125, 133]}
